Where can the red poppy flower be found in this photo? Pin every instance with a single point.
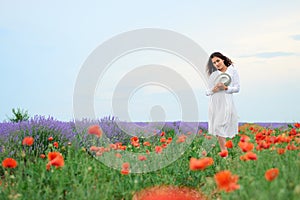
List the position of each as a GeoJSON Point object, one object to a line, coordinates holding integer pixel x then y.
{"type": "Point", "coordinates": [226, 181]}
{"type": "Point", "coordinates": [291, 147]}
{"type": "Point", "coordinates": [94, 148]}
{"type": "Point", "coordinates": [297, 125]}
{"type": "Point", "coordinates": [229, 144]}
{"type": "Point", "coordinates": [9, 163]}
{"type": "Point", "coordinates": [147, 144]}
{"type": "Point", "coordinates": [113, 146]}
{"type": "Point", "coordinates": [158, 149]}
{"type": "Point", "coordinates": [223, 153]}
{"type": "Point", "coordinates": [125, 165]}
{"type": "Point", "coordinates": [55, 159]}
{"type": "Point", "coordinates": [50, 139]}
{"type": "Point", "coordinates": [28, 141]}
{"type": "Point", "coordinates": [136, 144]}
{"type": "Point", "coordinates": [123, 148]}
{"type": "Point", "coordinates": [125, 168]}
{"type": "Point", "coordinates": [246, 146]}
{"type": "Point", "coordinates": [95, 130]}
{"type": "Point", "coordinates": [163, 140]}
{"type": "Point", "coordinates": [168, 193]}
{"type": "Point", "coordinates": [181, 138]}
{"type": "Point", "coordinates": [169, 140]}
{"type": "Point", "coordinates": [134, 139]}
{"type": "Point", "coordinates": [141, 158]}
{"type": "Point", "coordinates": [42, 156]}
{"type": "Point", "coordinates": [125, 171]}
{"type": "Point", "coordinates": [200, 164]}
{"type": "Point", "coordinates": [244, 138]}
{"type": "Point", "coordinates": [55, 144]}
{"type": "Point", "coordinates": [251, 156]}
{"type": "Point", "coordinates": [162, 133]}
{"type": "Point", "coordinates": [280, 151]}
{"type": "Point", "coordinates": [271, 174]}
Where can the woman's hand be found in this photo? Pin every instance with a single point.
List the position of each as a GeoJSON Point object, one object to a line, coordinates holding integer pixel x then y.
{"type": "Point", "coordinates": [216, 89]}
{"type": "Point", "coordinates": [219, 86]}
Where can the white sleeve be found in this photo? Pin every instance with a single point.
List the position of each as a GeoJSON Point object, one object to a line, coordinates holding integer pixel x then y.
{"type": "Point", "coordinates": [235, 86]}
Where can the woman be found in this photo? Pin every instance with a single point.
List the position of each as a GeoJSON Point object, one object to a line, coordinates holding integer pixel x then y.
{"type": "Point", "coordinates": [222, 115]}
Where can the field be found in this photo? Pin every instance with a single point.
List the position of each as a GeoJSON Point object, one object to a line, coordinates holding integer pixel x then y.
{"type": "Point", "coordinates": [44, 158]}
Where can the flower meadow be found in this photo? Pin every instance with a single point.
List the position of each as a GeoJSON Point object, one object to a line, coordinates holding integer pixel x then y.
{"type": "Point", "coordinates": [44, 158]}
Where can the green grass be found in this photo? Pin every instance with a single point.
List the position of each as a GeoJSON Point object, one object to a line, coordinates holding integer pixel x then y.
{"type": "Point", "coordinates": [84, 177]}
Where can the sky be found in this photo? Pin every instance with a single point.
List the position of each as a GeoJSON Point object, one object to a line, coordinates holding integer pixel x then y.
{"type": "Point", "coordinates": [45, 44]}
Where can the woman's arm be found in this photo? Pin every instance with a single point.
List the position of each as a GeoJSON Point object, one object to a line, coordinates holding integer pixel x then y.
{"type": "Point", "coordinates": [235, 86]}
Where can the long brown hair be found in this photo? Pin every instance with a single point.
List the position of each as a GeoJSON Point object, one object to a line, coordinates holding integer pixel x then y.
{"type": "Point", "coordinates": [210, 68]}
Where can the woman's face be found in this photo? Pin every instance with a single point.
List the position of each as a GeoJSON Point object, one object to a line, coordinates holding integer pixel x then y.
{"type": "Point", "coordinates": [218, 63]}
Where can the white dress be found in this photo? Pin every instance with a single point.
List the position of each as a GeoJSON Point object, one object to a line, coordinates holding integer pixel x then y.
{"type": "Point", "coordinates": [222, 114]}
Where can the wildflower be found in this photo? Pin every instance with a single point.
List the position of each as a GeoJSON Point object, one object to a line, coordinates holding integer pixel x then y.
{"type": "Point", "coordinates": [271, 174]}
{"type": "Point", "coordinates": [147, 144]}
{"type": "Point", "coordinates": [118, 144]}
{"type": "Point", "coordinates": [169, 140]}
{"type": "Point", "coordinates": [181, 138]}
{"type": "Point", "coordinates": [9, 163]}
{"type": "Point", "coordinates": [297, 125]}
{"type": "Point", "coordinates": [250, 156]}
{"type": "Point", "coordinates": [55, 159]}
{"type": "Point", "coordinates": [163, 140]}
{"type": "Point", "coordinates": [223, 153]}
{"type": "Point", "coordinates": [95, 130]}
{"type": "Point", "coordinates": [123, 148]}
{"type": "Point", "coordinates": [134, 139]}
{"type": "Point", "coordinates": [168, 192]}
{"type": "Point", "coordinates": [243, 158]}
{"type": "Point", "coordinates": [246, 146]}
{"type": "Point", "coordinates": [263, 144]}
{"type": "Point", "coordinates": [158, 149]}
{"type": "Point", "coordinates": [291, 147]}
{"type": "Point", "coordinates": [94, 148]}
{"type": "Point", "coordinates": [293, 132]}
{"type": "Point", "coordinates": [229, 144]}
{"type": "Point", "coordinates": [113, 146]}
{"type": "Point", "coordinates": [226, 181]}
{"type": "Point", "coordinates": [200, 164]}
{"type": "Point", "coordinates": [125, 165]}
{"type": "Point", "coordinates": [141, 158]}
{"type": "Point", "coordinates": [42, 156]}
{"type": "Point", "coordinates": [28, 141]}
{"type": "Point", "coordinates": [244, 138]}
{"type": "Point", "coordinates": [280, 151]}
{"type": "Point", "coordinates": [135, 144]}
{"type": "Point", "coordinates": [162, 133]}
{"type": "Point", "coordinates": [125, 168]}
{"type": "Point", "coordinates": [125, 171]}
{"type": "Point", "coordinates": [50, 139]}
{"type": "Point", "coordinates": [55, 144]}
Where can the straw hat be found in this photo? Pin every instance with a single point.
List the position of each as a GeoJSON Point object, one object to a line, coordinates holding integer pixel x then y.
{"type": "Point", "coordinates": [223, 78]}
